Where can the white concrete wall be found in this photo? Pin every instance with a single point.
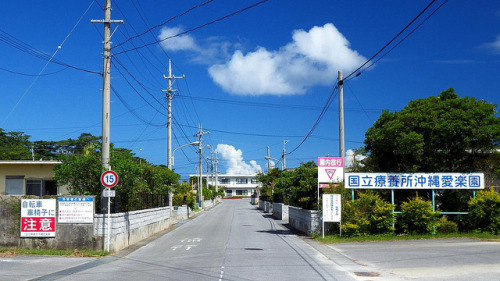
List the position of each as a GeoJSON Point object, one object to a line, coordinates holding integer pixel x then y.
{"type": "Point", "coordinates": [306, 221]}
{"type": "Point", "coordinates": [280, 211]}
{"type": "Point", "coordinates": [131, 227]}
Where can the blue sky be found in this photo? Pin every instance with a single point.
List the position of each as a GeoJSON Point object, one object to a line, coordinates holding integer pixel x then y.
{"type": "Point", "coordinates": [253, 80]}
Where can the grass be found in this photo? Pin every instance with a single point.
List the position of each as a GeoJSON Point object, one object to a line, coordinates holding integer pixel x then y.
{"type": "Point", "coordinates": [330, 239]}
{"type": "Point", "coordinates": [9, 252]}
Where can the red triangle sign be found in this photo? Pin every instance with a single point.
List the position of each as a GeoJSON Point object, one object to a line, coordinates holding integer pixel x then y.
{"type": "Point", "coordinates": [330, 173]}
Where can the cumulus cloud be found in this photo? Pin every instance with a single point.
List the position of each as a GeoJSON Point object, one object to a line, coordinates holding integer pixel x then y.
{"type": "Point", "coordinates": [234, 159]}
{"type": "Point", "coordinates": [349, 158]}
{"type": "Point", "coordinates": [312, 58]}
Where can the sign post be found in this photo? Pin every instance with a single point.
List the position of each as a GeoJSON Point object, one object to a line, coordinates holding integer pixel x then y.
{"type": "Point", "coordinates": [332, 210]}
{"type": "Point", "coordinates": [330, 170]}
{"type": "Point", "coordinates": [109, 179]}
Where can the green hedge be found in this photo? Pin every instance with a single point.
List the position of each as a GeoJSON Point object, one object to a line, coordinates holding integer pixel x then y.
{"type": "Point", "coordinates": [484, 211]}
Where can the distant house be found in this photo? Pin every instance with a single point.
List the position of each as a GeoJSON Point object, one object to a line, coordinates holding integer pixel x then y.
{"type": "Point", "coordinates": [234, 185]}
{"type": "Point", "coordinates": [25, 177]}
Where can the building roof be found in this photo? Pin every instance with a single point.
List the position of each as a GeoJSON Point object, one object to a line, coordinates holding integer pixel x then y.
{"type": "Point", "coordinates": [28, 162]}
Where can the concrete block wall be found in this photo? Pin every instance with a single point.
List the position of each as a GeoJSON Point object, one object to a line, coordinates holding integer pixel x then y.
{"type": "Point", "coordinates": [126, 228]}
{"type": "Point", "coordinates": [262, 204]}
{"type": "Point", "coordinates": [131, 227]}
{"type": "Point", "coordinates": [280, 211]}
{"type": "Point", "coordinates": [268, 207]}
{"type": "Point", "coordinates": [306, 221]}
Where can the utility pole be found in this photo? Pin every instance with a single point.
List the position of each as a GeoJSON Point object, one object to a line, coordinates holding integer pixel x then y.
{"type": "Point", "coordinates": [341, 116]}
{"type": "Point", "coordinates": [216, 172]}
{"type": "Point", "coordinates": [200, 146]}
{"type": "Point", "coordinates": [106, 86]}
{"type": "Point", "coordinates": [106, 82]}
{"type": "Point", "coordinates": [283, 167]}
{"type": "Point", "coordinates": [268, 160]}
{"type": "Point", "coordinates": [169, 121]}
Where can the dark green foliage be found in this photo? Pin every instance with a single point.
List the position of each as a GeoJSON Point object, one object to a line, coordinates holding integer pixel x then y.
{"type": "Point", "coordinates": [58, 149]}
{"type": "Point", "coordinates": [297, 187]}
{"type": "Point", "coordinates": [303, 186]}
{"type": "Point", "coordinates": [14, 146]}
{"type": "Point", "coordinates": [485, 211]}
{"type": "Point", "coordinates": [81, 174]}
{"type": "Point", "coordinates": [268, 183]}
{"type": "Point", "coordinates": [418, 217]}
{"type": "Point", "coordinates": [368, 214]}
{"type": "Point", "coordinates": [442, 133]}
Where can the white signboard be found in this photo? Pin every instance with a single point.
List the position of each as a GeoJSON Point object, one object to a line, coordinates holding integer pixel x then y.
{"type": "Point", "coordinates": [38, 217]}
{"type": "Point", "coordinates": [414, 181]}
{"type": "Point", "coordinates": [330, 169]}
{"type": "Point", "coordinates": [76, 209]}
{"type": "Point", "coordinates": [108, 193]}
{"type": "Point", "coordinates": [332, 208]}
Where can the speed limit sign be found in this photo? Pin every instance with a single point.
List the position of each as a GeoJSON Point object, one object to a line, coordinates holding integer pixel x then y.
{"type": "Point", "coordinates": [109, 179]}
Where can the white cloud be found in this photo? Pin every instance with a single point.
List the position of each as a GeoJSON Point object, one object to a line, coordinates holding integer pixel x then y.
{"type": "Point", "coordinates": [180, 43]}
{"type": "Point", "coordinates": [313, 58]}
{"type": "Point", "coordinates": [234, 159]}
{"type": "Point", "coordinates": [349, 158]}
{"type": "Point", "coordinates": [494, 46]}
{"type": "Point", "coordinates": [206, 51]}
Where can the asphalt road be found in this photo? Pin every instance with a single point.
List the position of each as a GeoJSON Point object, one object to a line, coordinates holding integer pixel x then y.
{"type": "Point", "coordinates": [235, 241]}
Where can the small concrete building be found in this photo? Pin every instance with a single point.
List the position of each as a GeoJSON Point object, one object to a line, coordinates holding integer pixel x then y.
{"type": "Point", "coordinates": [235, 185]}
{"type": "Point", "coordinates": [26, 177]}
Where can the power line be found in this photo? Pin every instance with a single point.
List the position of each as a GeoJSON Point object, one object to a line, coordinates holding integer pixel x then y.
{"type": "Point", "coordinates": [392, 40]}
{"type": "Point", "coordinates": [32, 75]}
{"type": "Point", "coordinates": [28, 49]}
{"type": "Point", "coordinates": [195, 28]}
{"type": "Point", "coordinates": [404, 38]}
{"type": "Point", "coordinates": [165, 22]}
{"type": "Point", "coordinates": [318, 120]}
{"type": "Point", "coordinates": [271, 105]}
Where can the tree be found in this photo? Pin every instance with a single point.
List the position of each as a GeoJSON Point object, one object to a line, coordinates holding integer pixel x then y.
{"type": "Point", "coordinates": [81, 173]}
{"type": "Point", "coordinates": [14, 146]}
{"type": "Point", "coordinates": [442, 133]}
{"type": "Point", "coordinates": [304, 186]}
{"type": "Point", "coordinates": [268, 182]}
{"type": "Point", "coordinates": [57, 149]}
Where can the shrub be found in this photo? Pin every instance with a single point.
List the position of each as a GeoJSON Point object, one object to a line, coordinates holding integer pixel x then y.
{"type": "Point", "coordinates": [445, 226]}
{"type": "Point", "coordinates": [418, 217]}
{"type": "Point", "coordinates": [369, 214]}
{"type": "Point", "coordinates": [484, 211]}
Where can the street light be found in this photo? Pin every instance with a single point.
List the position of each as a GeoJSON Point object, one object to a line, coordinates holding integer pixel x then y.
{"type": "Point", "coordinates": [192, 143]}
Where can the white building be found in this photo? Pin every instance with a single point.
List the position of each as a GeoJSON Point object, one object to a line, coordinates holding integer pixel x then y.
{"type": "Point", "coordinates": [234, 185]}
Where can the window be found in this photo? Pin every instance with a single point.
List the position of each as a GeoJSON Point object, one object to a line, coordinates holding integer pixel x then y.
{"type": "Point", "coordinates": [34, 187]}
{"type": "Point", "coordinates": [41, 187]}
{"type": "Point", "coordinates": [224, 181]}
{"type": "Point", "coordinates": [229, 192]}
{"type": "Point", "coordinates": [242, 192]}
{"type": "Point", "coordinates": [254, 181]}
{"type": "Point", "coordinates": [14, 185]}
{"type": "Point", "coordinates": [241, 181]}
